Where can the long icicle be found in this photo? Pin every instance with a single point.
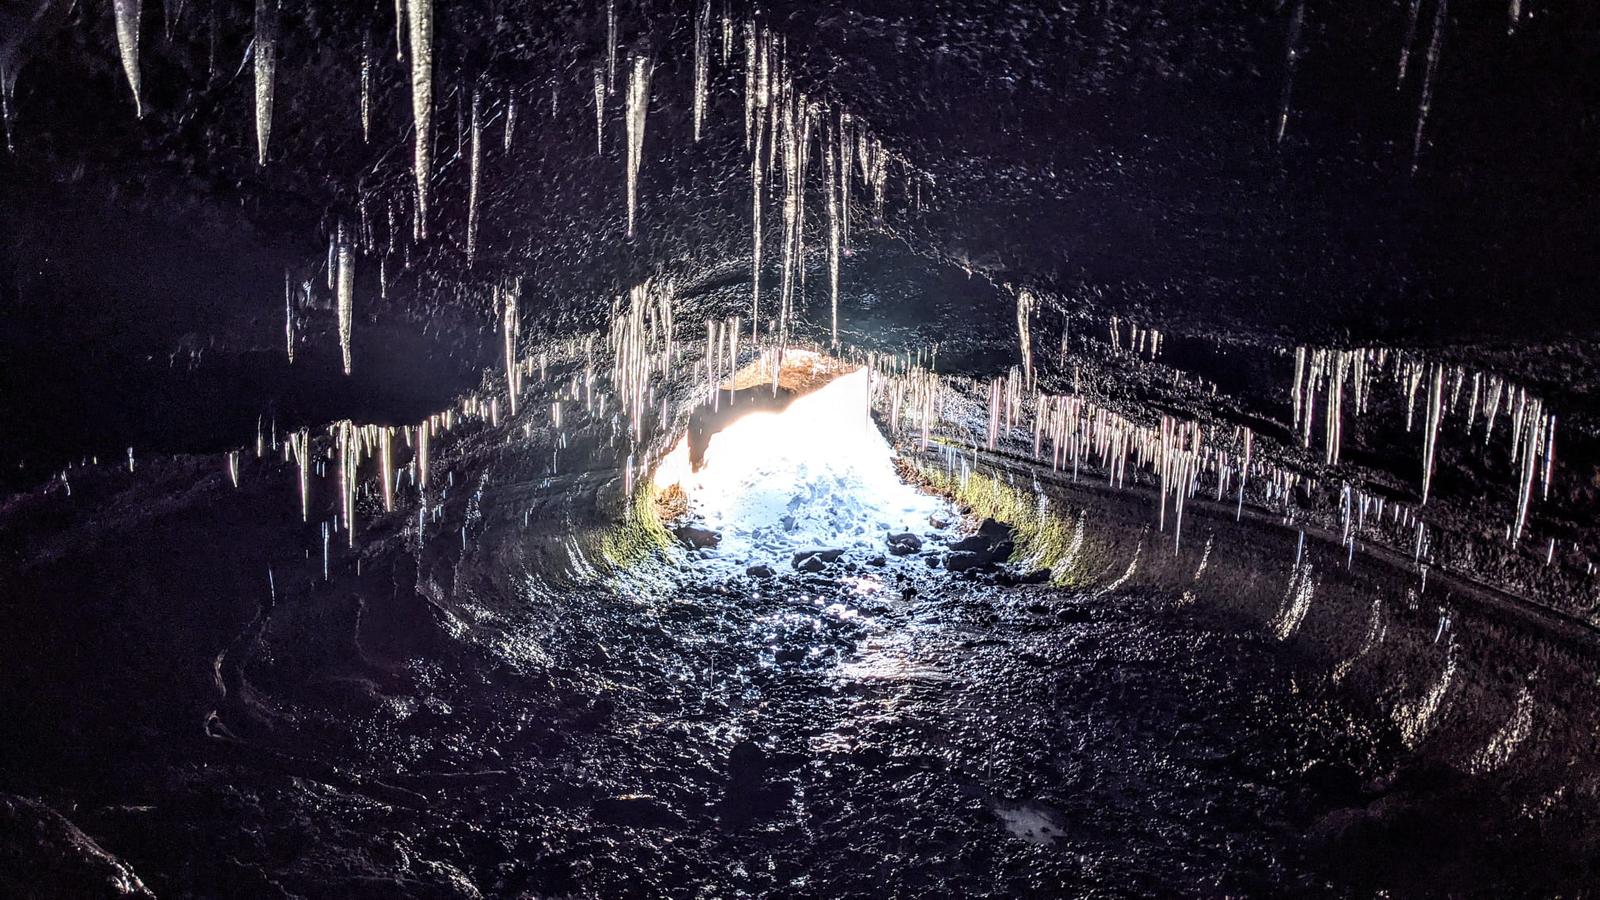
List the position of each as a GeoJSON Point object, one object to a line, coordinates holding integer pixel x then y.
{"type": "Point", "coordinates": [421, 19]}
{"type": "Point", "coordinates": [366, 87]}
{"type": "Point", "coordinates": [346, 296]}
{"type": "Point", "coordinates": [702, 63]}
{"type": "Point", "coordinates": [473, 178]}
{"type": "Point", "coordinates": [1428, 75]}
{"type": "Point", "coordinates": [638, 107]}
{"type": "Point", "coordinates": [266, 57]}
{"type": "Point", "coordinates": [128, 13]}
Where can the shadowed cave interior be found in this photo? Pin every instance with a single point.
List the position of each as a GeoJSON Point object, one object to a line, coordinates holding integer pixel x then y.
{"type": "Point", "coordinates": [702, 449]}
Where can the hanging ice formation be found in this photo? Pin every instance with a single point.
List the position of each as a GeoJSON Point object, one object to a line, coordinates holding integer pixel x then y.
{"type": "Point", "coordinates": [512, 326]}
{"type": "Point", "coordinates": [638, 107]}
{"type": "Point", "coordinates": [266, 59]}
{"type": "Point", "coordinates": [128, 13]}
{"type": "Point", "coordinates": [1291, 58]}
{"type": "Point", "coordinates": [1025, 306]}
{"type": "Point", "coordinates": [8, 90]}
{"type": "Point", "coordinates": [511, 118]}
{"type": "Point", "coordinates": [830, 170]}
{"type": "Point", "coordinates": [611, 46]}
{"type": "Point", "coordinates": [1429, 73]}
{"type": "Point", "coordinates": [702, 61]}
{"type": "Point", "coordinates": [346, 289]}
{"type": "Point", "coordinates": [288, 315]}
{"type": "Point", "coordinates": [366, 87]}
{"type": "Point", "coordinates": [421, 21]}
{"type": "Point", "coordinates": [599, 110]}
{"type": "Point", "coordinates": [1413, 13]}
{"type": "Point", "coordinates": [475, 160]}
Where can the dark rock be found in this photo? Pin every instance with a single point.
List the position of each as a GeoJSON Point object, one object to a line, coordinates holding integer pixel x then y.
{"type": "Point", "coordinates": [962, 560]}
{"type": "Point", "coordinates": [790, 654]}
{"type": "Point", "coordinates": [759, 571]}
{"type": "Point", "coordinates": [877, 561]}
{"type": "Point", "coordinates": [638, 811]}
{"type": "Point", "coordinates": [42, 854]}
{"type": "Point", "coordinates": [697, 537]}
{"type": "Point", "coordinates": [815, 560]}
{"type": "Point", "coordinates": [904, 544]}
{"type": "Point", "coordinates": [810, 564]}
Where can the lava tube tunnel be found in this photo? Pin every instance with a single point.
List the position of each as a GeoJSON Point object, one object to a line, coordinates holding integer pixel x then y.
{"type": "Point", "coordinates": [701, 448]}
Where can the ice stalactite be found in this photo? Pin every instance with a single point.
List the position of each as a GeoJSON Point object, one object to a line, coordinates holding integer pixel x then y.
{"type": "Point", "coordinates": [8, 98]}
{"type": "Point", "coordinates": [266, 59]}
{"type": "Point", "coordinates": [1413, 14]}
{"type": "Point", "coordinates": [420, 16]}
{"type": "Point", "coordinates": [749, 83]}
{"type": "Point", "coordinates": [1025, 307]}
{"type": "Point", "coordinates": [1429, 75]}
{"type": "Point", "coordinates": [599, 110]}
{"type": "Point", "coordinates": [128, 13]}
{"type": "Point", "coordinates": [1513, 16]}
{"type": "Point", "coordinates": [511, 325]}
{"type": "Point", "coordinates": [830, 174]}
{"type": "Point", "coordinates": [386, 465]}
{"type": "Point", "coordinates": [401, 20]}
{"type": "Point", "coordinates": [366, 87]}
{"type": "Point", "coordinates": [349, 444]}
{"type": "Point", "coordinates": [702, 64]}
{"type": "Point", "coordinates": [300, 449]}
{"type": "Point", "coordinates": [288, 316]}
{"type": "Point", "coordinates": [475, 162]}
{"type": "Point", "coordinates": [511, 119]}
{"type": "Point", "coordinates": [1291, 59]}
{"type": "Point", "coordinates": [1430, 434]}
{"type": "Point", "coordinates": [346, 291]}
{"type": "Point", "coordinates": [638, 108]}
{"type": "Point", "coordinates": [611, 46]}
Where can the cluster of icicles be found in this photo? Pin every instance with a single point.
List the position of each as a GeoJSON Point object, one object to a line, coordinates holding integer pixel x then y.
{"type": "Point", "coordinates": [1071, 431]}
{"type": "Point", "coordinates": [1445, 391]}
{"type": "Point", "coordinates": [784, 126]}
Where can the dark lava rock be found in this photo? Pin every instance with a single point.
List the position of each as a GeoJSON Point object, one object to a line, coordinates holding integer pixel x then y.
{"type": "Point", "coordinates": [749, 795]}
{"type": "Point", "coordinates": [991, 545]}
{"type": "Point", "coordinates": [989, 534]}
{"type": "Point", "coordinates": [638, 811]}
{"type": "Point", "coordinates": [904, 544]}
{"type": "Point", "coordinates": [790, 654]}
{"type": "Point", "coordinates": [697, 537]}
{"type": "Point", "coordinates": [815, 560]}
{"type": "Point", "coordinates": [877, 561]}
{"type": "Point", "coordinates": [759, 571]}
{"type": "Point", "coordinates": [44, 855]}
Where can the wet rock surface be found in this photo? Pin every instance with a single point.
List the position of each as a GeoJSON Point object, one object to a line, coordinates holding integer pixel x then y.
{"type": "Point", "coordinates": [894, 732]}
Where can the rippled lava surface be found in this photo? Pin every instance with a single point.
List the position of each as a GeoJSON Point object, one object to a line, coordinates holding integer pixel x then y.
{"type": "Point", "coordinates": [888, 731]}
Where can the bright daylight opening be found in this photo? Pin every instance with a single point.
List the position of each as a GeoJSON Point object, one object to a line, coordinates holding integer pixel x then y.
{"type": "Point", "coordinates": [818, 475]}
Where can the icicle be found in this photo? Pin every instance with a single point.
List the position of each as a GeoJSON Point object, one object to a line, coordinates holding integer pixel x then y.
{"type": "Point", "coordinates": [346, 295]}
{"type": "Point", "coordinates": [1430, 434]}
{"type": "Point", "coordinates": [830, 175]}
{"type": "Point", "coordinates": [512, 326]}
{"type": "Point", "coordinates": [1025, 306]}
{"type": "Point", "coordinates": [288, 316]}
{"type": "Point", "coordinates": [599, 110]}
{"type": "Point", "coordinates": [702, 62]}
{"type": "Point", "coordinates": [1412, 14]}
{"type": "Point", "coordinates": [8, 91]}
{"type": "Point", "coordinates": [421, 19]}
{"type": "Point", "coordinates": [1513, 16]}
{"type": "Point", "coordinates": [638, 107]}
{"type": "Point", "coordinates": [472, 178]}
{"type": "Point", "coordinates": [511, 118]}
{"type": "Point", "coordinates": [1291, 58]}
{"type": "Point", "coordinates": [128, 13]}
{"type": "Point", "coordinates": [366, 87]}
{"type": "Point", "coordinates": [266, 56]}
{"type": "Point", "coordinates": [1428, 76]}
{"type": "Point", "coordinates": [611, 46]}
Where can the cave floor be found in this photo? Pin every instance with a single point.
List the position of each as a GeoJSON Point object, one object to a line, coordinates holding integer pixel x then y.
{"type": "Point", "coordinates": [895, 730]}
